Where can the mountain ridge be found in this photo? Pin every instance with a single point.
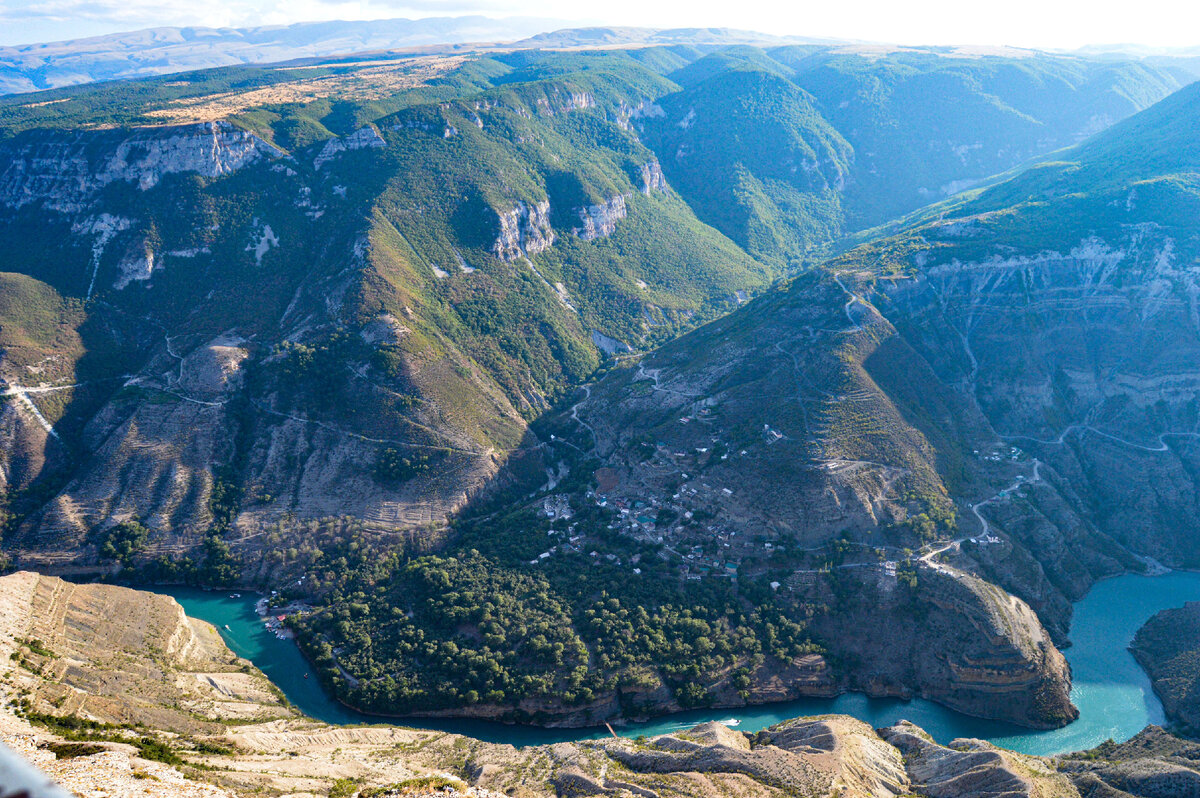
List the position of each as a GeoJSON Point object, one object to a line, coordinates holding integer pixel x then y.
{"type": "Point", "coordinates": [166, 50]}
{"type": "Point", "coordinates": [987, 395]}
{"type": "Point", "coordinates": [348, 324]}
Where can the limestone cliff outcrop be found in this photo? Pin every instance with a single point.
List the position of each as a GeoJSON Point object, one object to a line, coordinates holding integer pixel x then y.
{"type": "Point", "coordinates": [1020, 336]}
{"type": "Point", "coordinates": [954, 639]}
{"type": "Point", "coordinates": [124, 656]}
{"type": "Point", "coordinates": [65, 171]}
{"type": "Point", "coordinates": [653, 178]}
{"type": "Point", "coordinates": [160, 404]}
{"type": "Point", "coordinates": [364, 138]}
{"type": "Point", "coordinates": [1154, 764]}
{"type": "Point", "coordinates": [806, 676]}
{"type": "Point", "coordinates": [972, 767]}
{"type": "Point", "coordinates": [600, 220]}
{"type": "Point", "coordinates": [152, 461]}
{"type": "Point", "coordinates": [524, 230]}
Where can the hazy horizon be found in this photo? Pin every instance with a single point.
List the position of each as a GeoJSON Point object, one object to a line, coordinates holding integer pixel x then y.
{"type": "Point", "coordinates": [1024, 24]}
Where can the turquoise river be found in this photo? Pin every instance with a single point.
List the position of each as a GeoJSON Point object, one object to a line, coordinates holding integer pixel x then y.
{"type": "Point", "coordinates": [1112, 692]}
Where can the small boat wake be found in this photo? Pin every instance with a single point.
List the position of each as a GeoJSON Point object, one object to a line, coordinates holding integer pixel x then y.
{"type": "Point", "coordinates": [679, 727]}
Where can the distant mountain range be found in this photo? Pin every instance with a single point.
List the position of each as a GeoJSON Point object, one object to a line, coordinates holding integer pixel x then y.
{"type": "Point", "coordinates": [160, 51]}
{"type": "Point", "coordinates": [167, 50]}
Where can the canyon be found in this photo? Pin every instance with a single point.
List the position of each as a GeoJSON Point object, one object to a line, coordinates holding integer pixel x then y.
{"type": "Point", "coordinates": [567, 387]}
{"type": "Point", "coordinates": [229, 733]}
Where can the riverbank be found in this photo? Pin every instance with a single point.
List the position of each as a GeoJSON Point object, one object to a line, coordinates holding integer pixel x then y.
{"type": "Point", "coordinates": [177, 709]}
{"type": "Point", "coordinates": [1112, 692]}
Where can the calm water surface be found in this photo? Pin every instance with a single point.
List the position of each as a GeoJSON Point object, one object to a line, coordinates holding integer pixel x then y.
{"type": "Point", "coordinates": [1111, 691]}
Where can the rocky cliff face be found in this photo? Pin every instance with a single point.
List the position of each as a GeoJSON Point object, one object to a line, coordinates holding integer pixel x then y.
{"type": "Point", "coordinates": [1079, 360]}
{"type": "Point", "coordinates": [972, 767]}
{"type": "Point", "coordinates": [805, 676]}
{"type": "Point", "coordinates": [152, 460]}
{"type": "Point", "coordinates": [1154, 763]}
{"type": "Point", "coordinates": [524, 230]}
{"type": "Point", "coordinates": [974, 648]}
{"type": "Point", "coordinates": [363, 138]}
{"type": "Point", "coordinates": [653, 178]}
{"type": "Point", "coordinates": [147, 433]}
{"type": "Point", "coordinates": [64, 172]}
{"type": "Point", "coordinates": [598, 221]}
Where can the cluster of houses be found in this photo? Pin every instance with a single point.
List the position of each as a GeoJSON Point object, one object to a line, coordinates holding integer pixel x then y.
{"type": "Point", "coordinates": [998, 454]}
{"type": "Point", "coordinates": [681, 524]}
{"type": "Point", "coordinates": [686, 525]}
{"type": "Point", "coordinates": [275, 618]}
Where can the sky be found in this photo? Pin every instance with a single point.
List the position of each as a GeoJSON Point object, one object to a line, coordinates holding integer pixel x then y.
{"type": "Point", "coordinates": [1045, 24]}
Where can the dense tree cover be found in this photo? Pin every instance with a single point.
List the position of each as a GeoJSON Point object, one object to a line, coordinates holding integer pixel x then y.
{"type": "Point", "coordinates": [225, 499]}
{"type": "Point", "coordinates": [442, 632]}
{"type": "Point", "coordinates": [756, 159]}
{"type": "Point", "coordinates": [213, 563]}
{"type": "Point", "coordinates": [122, 542]}
{"type": "Point", "coordinates": [319, 368]}
{"type": "Point", "coordinates": [394, 466]}
{"type": "Point", "coordinates": [480, 624]}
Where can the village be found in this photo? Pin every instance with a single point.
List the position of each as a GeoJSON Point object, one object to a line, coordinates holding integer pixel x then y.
{"type": "Point", "coordinates": [686, 527]}
{"type": "Point", "coordinates": [274, 612]}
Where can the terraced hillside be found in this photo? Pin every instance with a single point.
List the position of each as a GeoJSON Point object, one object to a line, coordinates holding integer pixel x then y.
{"type": "Point", "coordinates": [421, 287]}
{"type": "Point", "coordinates": [1002, 397]}
{"type": "Point", "coordinates": [437, 249]}
{"type": "Point", "coordinates": [324, 328]}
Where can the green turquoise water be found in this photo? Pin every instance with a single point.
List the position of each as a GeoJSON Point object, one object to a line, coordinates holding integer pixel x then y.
{"type": "Point", "coordinates": [1112, 692]}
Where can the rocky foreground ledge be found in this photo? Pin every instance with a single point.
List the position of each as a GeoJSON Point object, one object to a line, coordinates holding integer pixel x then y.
{"type": "Point", "coordinates": [116, 692]}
